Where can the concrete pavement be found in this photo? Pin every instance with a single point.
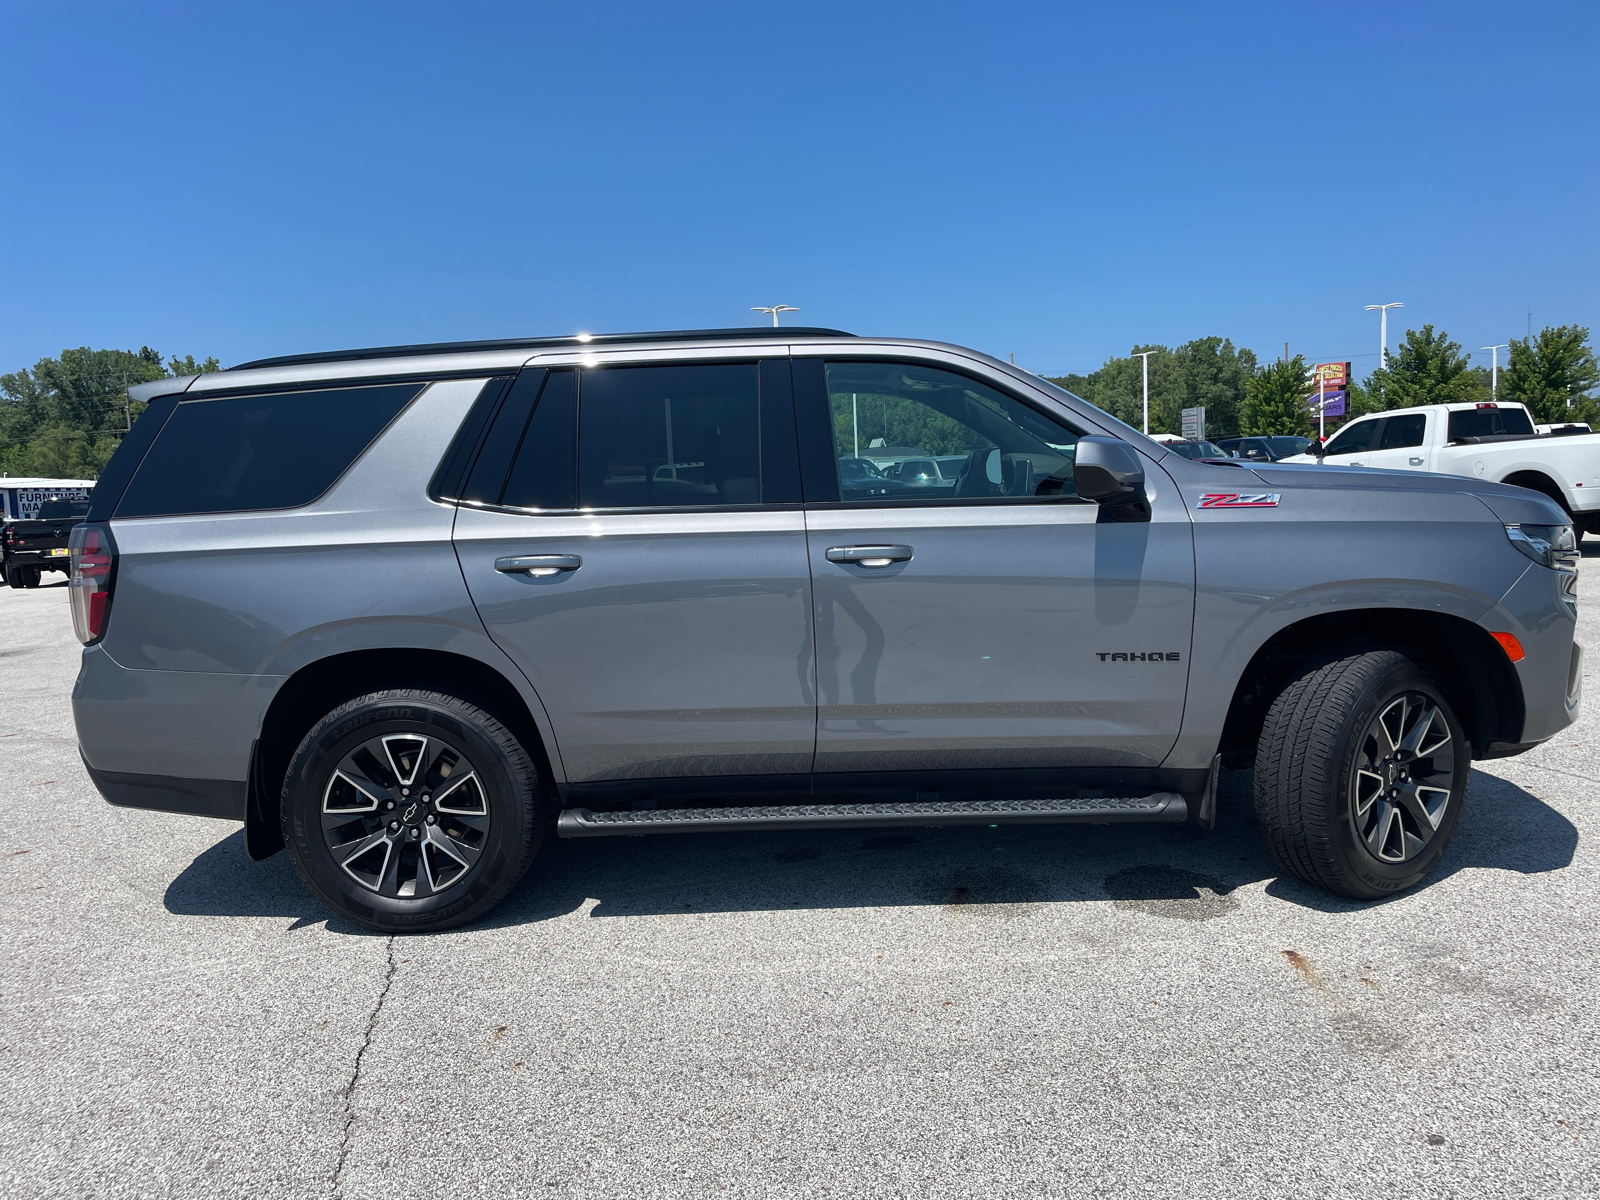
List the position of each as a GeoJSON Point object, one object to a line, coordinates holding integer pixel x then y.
{"type": "Point", "coordinates": [1050, 1011]}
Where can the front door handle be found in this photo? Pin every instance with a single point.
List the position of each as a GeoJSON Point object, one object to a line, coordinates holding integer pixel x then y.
{"type": "Point", "coordinates": [540, 566]}
{"type": "Point", "coordinates": [1416, 462]}
{"type": "Point", "coordinates": [869, 556]}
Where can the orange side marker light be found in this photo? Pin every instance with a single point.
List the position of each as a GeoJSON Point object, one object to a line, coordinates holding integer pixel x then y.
{"type": "Point", "coordinates": [1510, 645]}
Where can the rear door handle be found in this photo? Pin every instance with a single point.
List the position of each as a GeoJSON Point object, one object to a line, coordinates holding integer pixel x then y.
{"type": "Point", "coordinates": [1416, 462]}
{"type": "Point", "coordinates": [869, 556]}
{"type": "Point", "coordinates": [540, 566]}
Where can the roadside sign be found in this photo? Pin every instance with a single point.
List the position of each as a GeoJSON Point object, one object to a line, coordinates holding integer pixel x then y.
{"type": "Point", "coordinates": [1332, 403]}
{"type": "Point", "coordinates": [1194, 424]}
{"type": "Point", "coordinates": [1330, 376]}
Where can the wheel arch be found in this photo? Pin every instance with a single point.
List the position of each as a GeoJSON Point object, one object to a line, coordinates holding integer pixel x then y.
{"type": "Point", "coordinates": [321, 686]}
{"type": "Point", "coordinates": [1480, 678]}
{"type": "Point", "coordinates": [1539, 481]}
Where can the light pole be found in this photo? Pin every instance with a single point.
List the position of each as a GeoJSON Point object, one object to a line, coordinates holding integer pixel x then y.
{"type": "Point", "coordinates": [1494, 379]}
{"type": "Point", "coordinates": [1383, 331]}
{"type": "Point", "coordinates": [1146, 356]}
{"type": "Point", "coordinates": [775, 309]}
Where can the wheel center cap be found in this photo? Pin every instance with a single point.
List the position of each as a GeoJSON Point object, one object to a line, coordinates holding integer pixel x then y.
{"type": "Point", "coordinates": [1389, 773]}
{"type": "Point", "coordinates": [412, 813]}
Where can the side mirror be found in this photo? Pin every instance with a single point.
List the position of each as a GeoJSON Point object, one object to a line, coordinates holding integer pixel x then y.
{"type": "Point", "coordinates": [1108, 471]}
{"type": "Point", "coordinates": [1317, 448]}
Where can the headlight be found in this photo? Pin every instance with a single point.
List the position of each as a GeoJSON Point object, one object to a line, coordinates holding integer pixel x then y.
{"type": "Point", "coordinates": [1553, 546]}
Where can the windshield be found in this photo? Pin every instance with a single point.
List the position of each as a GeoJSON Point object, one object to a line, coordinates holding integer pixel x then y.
{"type": "Point", "coordinates": [1283, 447]}
{"type": "Point", "coordinates": [1197, 449]}
{"type": "Point", "coordinates": [858, 468]}
{"type": "Point", "coordinates": [1487, 422]}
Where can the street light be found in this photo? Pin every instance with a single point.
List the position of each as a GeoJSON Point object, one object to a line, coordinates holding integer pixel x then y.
{"type": "Point", "coordinates": [775, 309]}
{"type": "Point", "coordinates": [1383, 331]}
{"type": "Point", "coordinates": [1494, 385]}
{"type": "Point", "coordinates": [1145, 354]}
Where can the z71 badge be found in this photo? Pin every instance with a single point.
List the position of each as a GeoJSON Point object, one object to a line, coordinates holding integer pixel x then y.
{"type": "Point", "coordinates": [1239, 500]}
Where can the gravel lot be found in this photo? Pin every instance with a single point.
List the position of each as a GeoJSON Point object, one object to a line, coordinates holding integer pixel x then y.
{"type": "Point", "coordinates": [1054, 1011]}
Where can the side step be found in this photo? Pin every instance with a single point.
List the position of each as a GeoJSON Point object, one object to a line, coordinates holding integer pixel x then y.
{"type": "Point", "coordinates": [1162, 806]}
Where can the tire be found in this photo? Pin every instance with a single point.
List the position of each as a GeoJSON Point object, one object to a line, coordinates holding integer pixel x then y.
{"type": "Point", "coordinates": [29, 576]}
{"type": "Point", "coordinates": [439, 852]}
{"type": "Point", "coordinates": [1342, 806]}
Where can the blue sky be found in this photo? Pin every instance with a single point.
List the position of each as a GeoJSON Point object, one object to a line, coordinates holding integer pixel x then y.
{"type": "Point", "coordinates": [1054, 181]}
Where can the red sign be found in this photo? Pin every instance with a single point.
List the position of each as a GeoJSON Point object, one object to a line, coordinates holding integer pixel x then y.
{"type": "Point", "coordinates": [1330, 375]}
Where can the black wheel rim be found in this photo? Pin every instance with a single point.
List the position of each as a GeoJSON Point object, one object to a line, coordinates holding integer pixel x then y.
{"type": "Point", "coordinates": [1403, 784]}
{"type": "Point", "coordinates": [405, 815]}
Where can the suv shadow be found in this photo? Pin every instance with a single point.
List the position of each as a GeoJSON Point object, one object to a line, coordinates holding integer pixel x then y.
{"type": "Point", "coordinates": [1163, 870]}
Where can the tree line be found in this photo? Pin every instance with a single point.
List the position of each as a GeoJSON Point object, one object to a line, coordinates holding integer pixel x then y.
{"type": "Point", "coordinates": [1554, 373]}
{"type": "Point", "coordinates": [64, 417]}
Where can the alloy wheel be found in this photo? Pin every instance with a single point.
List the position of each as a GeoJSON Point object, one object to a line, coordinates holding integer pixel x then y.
{"type": "Point", "coordinates": [405, 815]}
{"type": "Point", "coordinates": [1402, 784]}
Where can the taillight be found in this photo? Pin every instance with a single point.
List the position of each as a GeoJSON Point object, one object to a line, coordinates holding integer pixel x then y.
{"type": "Point", "coordinates": [93, 560]}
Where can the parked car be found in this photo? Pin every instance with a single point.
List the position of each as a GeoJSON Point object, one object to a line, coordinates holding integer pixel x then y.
{"type": "Point", "coordinates": [518, 625]}
{"type": "Point", "coordinates": [1265, 449]}
{"type": "Point", "coordinates": [32, 546]}
{"type": "Point", "coordinates": [1481, 441]}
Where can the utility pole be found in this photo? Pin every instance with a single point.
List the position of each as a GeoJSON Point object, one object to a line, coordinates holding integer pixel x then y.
{"type": "Point", "coordinates": [1145, 354]}
{"type": "Point", "coordinates": [1383, 331]}
{"type": "Point", "coordinates": [775, 309]}
{"type": "Point", "coordinates": [1494, 378]}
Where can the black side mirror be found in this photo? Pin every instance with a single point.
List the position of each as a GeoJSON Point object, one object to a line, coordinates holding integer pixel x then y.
{"type": "Point", "coordinates": [1108, 471]}
{"type": "Point", "coordinates": [1318, 449]}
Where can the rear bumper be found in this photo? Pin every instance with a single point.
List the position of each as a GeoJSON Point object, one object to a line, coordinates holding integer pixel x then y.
{"type": "Point", "coordinates": [221, 798]}
{"type": "Point", "coordinates": [182, 725]}
{"type": "Point", "coordinates": [37, 558]}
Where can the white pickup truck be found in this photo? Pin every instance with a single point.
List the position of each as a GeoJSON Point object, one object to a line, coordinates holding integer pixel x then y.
{"type": "Point", "coordinates": [1485, 441]}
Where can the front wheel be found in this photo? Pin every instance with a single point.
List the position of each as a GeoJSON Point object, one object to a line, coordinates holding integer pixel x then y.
{"type": "Point", "coordinates": [409, 811]}
{"type": "Point", "coordinates": [1360, 773]}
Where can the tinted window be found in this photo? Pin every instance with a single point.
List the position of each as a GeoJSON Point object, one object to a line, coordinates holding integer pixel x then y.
{"type": "Point", "coordinates": [541, 476]}
{"type": "Point", "coordinates": [1487, 422]}
{"type": "Point", "coordinates": [54, 510]}
{"type": "Point", "coordinates": [667, 436]}
{"type": "Point", "coordinates": [254, 452]}
{"type": "Point", "coordinates": [1352, 439]}
{"type": "Point", "coordinates": [1400, 432]}
{"type": "Point", "coordinates": [1197, 449]}
{"type": "Point", "coordinates": [1283, 447]}
{"type": "Point", "coordinates": [988, 445]}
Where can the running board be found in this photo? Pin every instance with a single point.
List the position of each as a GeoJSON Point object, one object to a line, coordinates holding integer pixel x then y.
{"type": "Point", "coordinates": [1161, 806]}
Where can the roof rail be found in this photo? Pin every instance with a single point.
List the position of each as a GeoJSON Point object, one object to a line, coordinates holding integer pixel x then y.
{"type": "Point", "coordinates": [571, 339]}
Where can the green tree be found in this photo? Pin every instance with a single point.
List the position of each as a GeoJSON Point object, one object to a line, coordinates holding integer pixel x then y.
{"type": "Point", "coordinates": [1208, 371]}
{"type": "Point", "coordinates": [1553, 374]}
{"type": "Point", "coordinates": [1275, 400]}
{"type": "Point", "coordinates": [64, 417]}
{"type": "Point", "coordinates": [1428, 368]}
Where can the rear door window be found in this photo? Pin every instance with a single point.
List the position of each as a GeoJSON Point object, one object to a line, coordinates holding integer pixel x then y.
{"type": "Point", "coordinates": [1400, 432]}
{"type": "Point", "coordinates": [669, 436]}
{"type": "Point", "coordinates": [245, 453]}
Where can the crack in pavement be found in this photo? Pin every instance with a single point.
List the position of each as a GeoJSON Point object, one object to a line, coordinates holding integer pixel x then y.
{"type": "Point", "coordinates": [355, 1074]}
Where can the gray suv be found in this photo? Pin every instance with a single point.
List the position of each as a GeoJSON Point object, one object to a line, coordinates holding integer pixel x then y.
{"type": "Point", "coordinates": [404, 611]}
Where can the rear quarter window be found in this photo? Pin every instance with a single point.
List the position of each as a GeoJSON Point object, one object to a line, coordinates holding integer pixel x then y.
{"type": "Point", "coordinates": [243, 453]}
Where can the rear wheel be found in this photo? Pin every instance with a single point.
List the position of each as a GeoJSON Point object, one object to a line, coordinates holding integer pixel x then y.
{"type": "Point", "coordinates": [1360, 773]}
{"type": "Point", "coordinates": [408, 810]}
{"type": "Point", "coordinates": [29, 577]}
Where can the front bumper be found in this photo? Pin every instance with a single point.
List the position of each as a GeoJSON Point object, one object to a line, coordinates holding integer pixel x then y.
{"type": "Point", "coordinates": [1543, 618]}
